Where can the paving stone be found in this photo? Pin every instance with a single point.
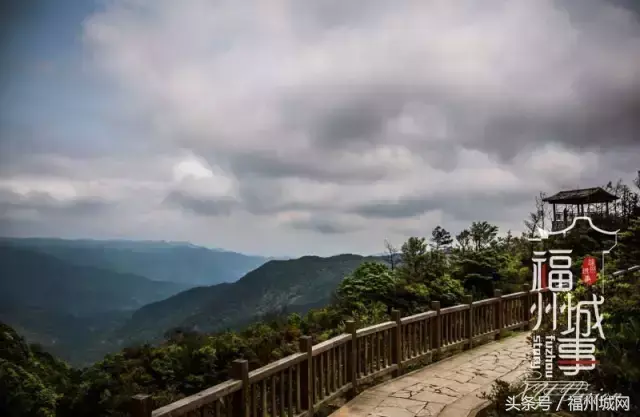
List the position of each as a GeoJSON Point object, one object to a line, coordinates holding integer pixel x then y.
{"type": "Point", "coordinates": [403, 403]}
{"type": "Point", "coordinates": [396, 385]}
{"type": "Point", "coordinates": [391, 412]}
{"type": "Point", "coordinates": [503, 370]}
{"type": "Point", "coordinates": [510, 363]}
{"type": "Point", "coordinates": [455, 362]}
{"type": "Point", "coordinates": [489, 374]}
{"type": "Point", "coordinates": [367, 397]}
{"type": "Point", "coordinates": [441, 382]}
{"type": "Point", "coordinates": [402, 394]}
{"type": "Point", "coordinates": [429, 396]}
{"type": "Point", "coordinates": [430, 410]}
{"type": "Point", "coordinates": [351, 410]}
{"type": "Point", "coordinates": [453, 412]}
{"type": "Point", "coordinates": [464, 388]}
{"type": "Point", "coordinates": [481, 380]}
{"type": "Point", "coordinates": [469, 402]}
{"type": "Point", "coordinates": [462, 378]}
{"type": "Point", "coordinates": [445, 391]}
{"type": "Point", "coordinates": [481, 392]}
{"type": "Point", "coordinates": [514, 376]}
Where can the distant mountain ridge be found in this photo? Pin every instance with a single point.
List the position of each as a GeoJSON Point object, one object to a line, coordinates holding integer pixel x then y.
{"type": "Point", "coordinates": [34, 279]}
{"type": "Point", "coordinates": [296, 285]}
{"type": "Point", "coordinates": [68, 307]}
{"type": "Point", "coordinates": [82, 299]}
{"type": "Point", "coordinates": [70, 295]}
{"type": "Point", "coordinates": [178, 262]}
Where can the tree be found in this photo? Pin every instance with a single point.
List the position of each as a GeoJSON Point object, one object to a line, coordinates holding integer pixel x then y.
{"type": "Point", "coordinates": [32, 382]}
{"type": "Point", "coordinates": [464, 239]}
{"type": "Point", "coordinates": [532, 223]}
{"type": "Point", "coordinates": [413, 267]}
{"type": "Point", "coordinates": [483, 234]}
{"type": "Point", "coordinates": [628, 250]}
{"type": "Point", "coordinates": [485, 262]}
{"type": "Point", "coordinates": [537, 217]}
{"type": "Point", "coordinates": [392, 254]}
{"type": "Point", "coordinates": [370, 283]}
{"type": "Point", "coordinates": [447, 290]}
{"type": "Point", "coordinates": [476, 270]}
{"type": "Point", "coordinates": [441, 238]}
{"type": "Point", "coordinates": [23, 393]}
{"type": "Point", "coordinates": [625, 207]}
{"type": "Point", "coordinates": [507, 240]}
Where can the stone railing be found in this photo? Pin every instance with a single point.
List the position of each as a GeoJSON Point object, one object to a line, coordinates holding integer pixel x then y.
{"type": "Point", "coordinates": [300, 384]}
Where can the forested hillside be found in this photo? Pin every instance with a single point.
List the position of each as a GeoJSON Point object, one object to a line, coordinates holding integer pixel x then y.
{"type": "Point", "coordinates": [68, 308]}
{"type": "Point", "coordinates": [79, 340]}
{"type": "Point", "coordinates": [72, 295]}
{"type": "Point", "coordinates": [33, 279]}
{"type": "Point", "coordinates": [291, 285]}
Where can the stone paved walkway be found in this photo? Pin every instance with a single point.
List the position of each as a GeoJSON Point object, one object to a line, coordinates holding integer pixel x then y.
{"type": "Point", "coordinates": [450, 388]}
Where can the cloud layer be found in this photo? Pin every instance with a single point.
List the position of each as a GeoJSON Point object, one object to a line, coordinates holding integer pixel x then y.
{"type": "Point", "coordinates": [289, 126]}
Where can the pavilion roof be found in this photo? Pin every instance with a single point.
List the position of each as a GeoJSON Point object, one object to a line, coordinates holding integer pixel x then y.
{"type": "Point", "coordinates": [582, 196]}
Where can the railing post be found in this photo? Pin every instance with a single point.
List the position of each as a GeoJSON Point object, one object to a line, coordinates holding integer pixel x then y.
{"type": "Point", "coordinates": [468, 300]}
{"type": "Point", "coordinates": [437, 329]}
{"type": "Point", "coordinates": [240, 371]}
{"type": "Point", "coordinates": [527, 306]}
{"type": "Point", "coordinates": [396, 348]}
{"type": "Point", "coordinates": [499, 314]}
{"type": "Point", "coordinates": [352, 363]}
{"type": "Point", "coordinates": [141, 405]}
{"type": "Point", "coordinates": [306, 376]}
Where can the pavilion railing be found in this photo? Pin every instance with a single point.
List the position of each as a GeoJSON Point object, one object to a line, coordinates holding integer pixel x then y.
{"type": "Point", "coordinates": [300, 384]}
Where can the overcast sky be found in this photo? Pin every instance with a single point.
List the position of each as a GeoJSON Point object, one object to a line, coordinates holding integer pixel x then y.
{"type": "Point", "coordinates": [290, 127]}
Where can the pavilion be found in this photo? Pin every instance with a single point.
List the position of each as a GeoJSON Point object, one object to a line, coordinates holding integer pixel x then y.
{"type": "Point", "coordinates": [592, 202]}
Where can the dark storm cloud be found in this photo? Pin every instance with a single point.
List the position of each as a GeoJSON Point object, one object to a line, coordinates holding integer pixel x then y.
{"type": "Point", "coordinates": [47, 205]}
{"type": "Point", "coordinates": [403, 208]}
{"type": "Point", "coordinates": [607, 123]}
{"type": "Point", "coordinates": [504, 76]}
{"type": "Point", "coordinates": [468, 205]}
{"type": "Point", "coordinates": [263, 198]}
{"type": "Point", "coordinates": [601, 118]}
{"type": "Point", "coordinates": [201, 205]}
{"type": "Point", "coordinates": [344, 115]}
{"type": "Point", "coordinates": [316, 166]}
{"type": "Point", "coordinates": [324, 226]}
{"type": "Point", "coordinates": [336, 13]}
{"type": "Point", "coordinates": [493, 207]}
{"type": "Point", "coordinates": [268, 199]}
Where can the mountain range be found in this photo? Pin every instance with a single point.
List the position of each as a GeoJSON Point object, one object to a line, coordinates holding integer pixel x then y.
{"type": "Point", "coordinates": [81, 299]}
{"type": "Point", "coordinates": [295, 285]}
{"type": "Point", "coordinates": [177, 262]}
